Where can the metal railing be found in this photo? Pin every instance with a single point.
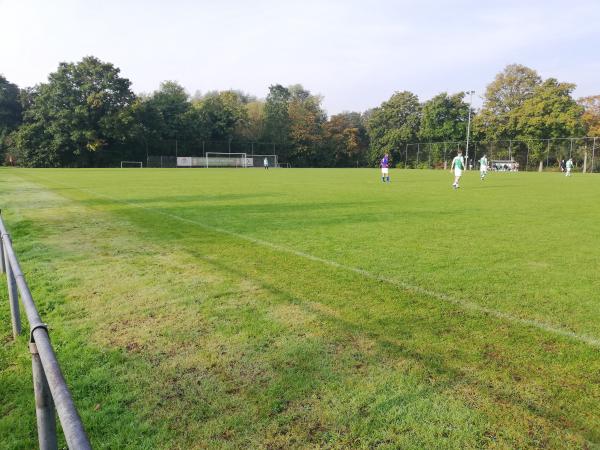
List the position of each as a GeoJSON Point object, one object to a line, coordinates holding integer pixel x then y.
{"type": "Point", "coordinates": [50, 389]}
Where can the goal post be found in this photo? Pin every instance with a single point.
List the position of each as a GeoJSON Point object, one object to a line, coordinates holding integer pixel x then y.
{"type": "Point", "coordinates": [136, 164]}
{"type": "Point", "coordinates": [218, 159]}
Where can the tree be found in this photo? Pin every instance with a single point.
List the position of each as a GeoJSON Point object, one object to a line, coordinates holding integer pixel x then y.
{"type": "Point", "coordinates": [444, 118]}
{"type": "Point", "coordinates": [394, 124]}
{"type": "Point", "coordinates": [503, 96]}
{"type": "Point", "coordinates": [277, 118]}
{"type": "Point", "coordinates": [550, 112]}
{"type": "Point", "coordinates": [346, 139]}
{"type": "Point", "coordinates": [82, 111]}
{"type": "Point", "coordinates": [306, 119]}
{"type": "Point", "coordinates": [223, 114]}
{"type": "Point", "coordinates": [10, 113]}
{"type": "Point", "coordinates": [10, 105]}
{"type": "Point", "coordinates": [172, 103]}
{"type": "Point", "coordinates": [591, 114]}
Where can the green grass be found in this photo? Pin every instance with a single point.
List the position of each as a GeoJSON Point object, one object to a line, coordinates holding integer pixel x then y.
{"type": "Point", "coordinates": [311, 308]}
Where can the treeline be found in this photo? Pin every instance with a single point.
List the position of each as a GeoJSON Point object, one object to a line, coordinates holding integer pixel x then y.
{"type": "Point", "coordinates": [86, 115]}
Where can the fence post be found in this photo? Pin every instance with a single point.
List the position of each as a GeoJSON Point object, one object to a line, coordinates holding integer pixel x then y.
{"type": "Point", "coordinates": [44, 406]}
{"type": "Point", "coordinates": [2, 264]}
{"type": "Point", "coordinates": [13, 295]}
{"type": "Point", "coordinates": [593, 153]}
{"type": "Point", "coordinates": [406, 157]}
{"type": "Point", "coordinates": [445, 161]}
{"type": "Point", "coordinates": [548, 154]}
{"type": "Point", "coordinates": [527, 159]}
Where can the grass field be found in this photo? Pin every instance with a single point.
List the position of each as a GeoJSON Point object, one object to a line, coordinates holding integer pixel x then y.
{"type": "Point", "coordinates": [311, 308]}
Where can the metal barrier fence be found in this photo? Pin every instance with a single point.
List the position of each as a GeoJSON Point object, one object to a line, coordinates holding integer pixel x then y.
{"type": "Point", "coordinates": [531, 154]}
{"type": "Point", "coordinates": [50, 389]}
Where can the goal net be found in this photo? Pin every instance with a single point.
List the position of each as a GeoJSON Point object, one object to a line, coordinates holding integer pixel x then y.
{"type": "Point", "coordinates": [125, 164]}
{"type": "Point", "coordinates": [215, 159]}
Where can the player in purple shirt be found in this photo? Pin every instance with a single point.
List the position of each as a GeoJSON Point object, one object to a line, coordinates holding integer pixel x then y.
{"type": "Point", "coordinates": [384, 164]}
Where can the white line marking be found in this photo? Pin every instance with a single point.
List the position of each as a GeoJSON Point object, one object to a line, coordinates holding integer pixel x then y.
{"type": "Point", "coordinates": [464, 304]}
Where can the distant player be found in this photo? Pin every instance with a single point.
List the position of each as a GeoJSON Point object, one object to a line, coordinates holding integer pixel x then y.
{"type": "Point", "coordinates": [483, 167]}
{"type": "Point", "coordinates": [569, 167]}
{"type": "Point", "coordinates": [562, 165]}
{"type": "Point", "coordinates": [458, 165]}
{"type": "Point", "coordinates": [266, 164]}
{"type": "Point", "coordinates": [385, 168]}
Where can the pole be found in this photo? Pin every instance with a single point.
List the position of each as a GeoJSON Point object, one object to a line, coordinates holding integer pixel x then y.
{"type": "Point", "coordinates": [2, 266]}
{"type": "Point", "coordinates": [44, 406]}
{"type": "Point", "coordinates": [13, 296]}
{"type": "Point", "coordinates": [429, 159]}
{"type": "Point", "coordinates": [571, 150]}
{"type": "Point", "coordinates": [593, 153]}
{"type": "Point", "coordinates": [468, 129]}
{"type": "Point", "coordinates": [527, 160]}
{"type": "Point", "coordinates": [445, 161]}
{"type": "Point", "coordinates": [548, 154]}
{"type": "Point", "coordinates": [406, 157]}
{"type": "Point", "coordinates": [418, 150]}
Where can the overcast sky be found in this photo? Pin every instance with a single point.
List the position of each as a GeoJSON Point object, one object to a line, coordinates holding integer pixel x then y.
{"type": "Point", "coordinates": [354, 53]}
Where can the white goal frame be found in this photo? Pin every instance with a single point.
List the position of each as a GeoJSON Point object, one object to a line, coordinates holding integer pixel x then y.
{"type": "Point", "coordinates": [243, 156]}
{"type": "Point", "coordinates": [141, 165]}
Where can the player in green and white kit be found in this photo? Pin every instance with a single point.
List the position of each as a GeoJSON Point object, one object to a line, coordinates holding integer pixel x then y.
{"type": "Point", "coordinates": [569, 167]}
{"type": "Point", "coordinates": [458, 165]}
{"type": "Point", "coordinates": [483, 166]}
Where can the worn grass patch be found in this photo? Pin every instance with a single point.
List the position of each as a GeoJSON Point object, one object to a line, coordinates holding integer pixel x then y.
{"type": "Point", "coordinates": [294, 309]}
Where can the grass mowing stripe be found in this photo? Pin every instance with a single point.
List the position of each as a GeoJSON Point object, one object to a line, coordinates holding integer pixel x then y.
{"type": "Point", "coordinates": [465, 304]}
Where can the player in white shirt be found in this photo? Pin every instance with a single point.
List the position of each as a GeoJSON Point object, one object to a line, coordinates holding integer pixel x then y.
{"type": "Point", "coordinates": [458, 165]}
{"type": "Point", "coordinates": [569, 167]}
{"type": "Point", "coordinates": [483, 167]}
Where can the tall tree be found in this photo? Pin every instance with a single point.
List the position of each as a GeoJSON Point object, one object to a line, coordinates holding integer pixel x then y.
{"type": "Point", "coordinates": [277, 118]}
{"type": "Point", "coordinates": [223, 114]}
{"type": "Point", "coordinates": [10, 105]}
{"type": "Point", "coordinates": [10, 113]}
{"type": "Point", "coordinates": [305, 126]}
{"type": "Point", "coordinates": [82, 111]}
{"type": "Point", "coordinates": [550, 112]}
{"type": "Point", "coordinates": [591, 114]}
{"type": "Point", "coordinates": [444, 118]}
{"type": "Point", "coordinates": [394, 124]}
{"type": "Point", "coordinates": [346, 140]}
{"type": "Point", "coordinates": [503, 96]}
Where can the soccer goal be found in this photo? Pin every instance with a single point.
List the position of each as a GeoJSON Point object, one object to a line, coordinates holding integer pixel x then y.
{"type": "Point", "coordinates": [216, 159]}
{"type": "Point", "coordinates": [125, 164]}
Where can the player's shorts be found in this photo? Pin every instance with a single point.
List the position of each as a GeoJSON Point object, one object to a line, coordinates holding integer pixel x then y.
{"type": "Point", "coordinates": [483, 169]}
{"type": "Point", "coordinates": [457, 172]}
{"type": "Point", "coordinates": [568, 170]}
{"type": "Point", "coordinates": [384, 171]}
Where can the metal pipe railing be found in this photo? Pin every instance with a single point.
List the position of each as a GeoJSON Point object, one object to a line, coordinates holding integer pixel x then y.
{"type": "Point", "coordinates": [50, 388]}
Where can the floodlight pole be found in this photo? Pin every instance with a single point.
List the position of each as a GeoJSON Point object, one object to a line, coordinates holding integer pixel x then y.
{"type": "Point", "coordinates": [468, 129]}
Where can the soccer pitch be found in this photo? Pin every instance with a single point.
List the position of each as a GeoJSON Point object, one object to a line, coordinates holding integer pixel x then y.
{"type": "Point", "coordinates": [311, 308]}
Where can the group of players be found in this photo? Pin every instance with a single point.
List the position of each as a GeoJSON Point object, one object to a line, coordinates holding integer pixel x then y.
{"type": "Point", "coordinates": [457, 166]}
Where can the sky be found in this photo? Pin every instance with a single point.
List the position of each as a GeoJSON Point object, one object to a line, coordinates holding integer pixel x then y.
{"type": "Point", "coordinates": [355, 54]}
